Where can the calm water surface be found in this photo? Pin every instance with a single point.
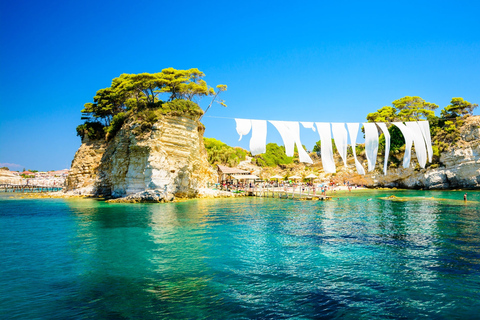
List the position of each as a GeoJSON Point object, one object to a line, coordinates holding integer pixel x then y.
{"type": "Point", "coordinates": [349, 258]}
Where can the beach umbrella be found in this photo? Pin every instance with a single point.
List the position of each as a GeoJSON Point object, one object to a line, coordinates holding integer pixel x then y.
{"type": "Point", "coordinates": [311, 176]}
{"type": "Point", "coordinates": [294, 177]}
{"type": "Point", "coordinates": [276, 177]}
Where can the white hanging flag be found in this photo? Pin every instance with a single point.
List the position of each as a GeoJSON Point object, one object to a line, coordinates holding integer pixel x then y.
{"type": "Point", "coordinates": [326, 147]}
{"type": "Point", "coordinates": [386, 134]}
{"type": "Point", "coordinates": [290, 132]}
{"type": "Point", "coordinates": [340, 138]}
{"type": "Point", "coordinates": [425, 127]}
{"type": "Point", "coordinates": [243, 127]}
{"type": "Point", "coordinates": [288, 140]}
{"type": "Point", "coordinates": [371, 144]}
{"type": "Point", "coordinates": [419, 142]}
{"type": "Point", "coordinates": [308, 125]}
{"type": "Point", "coordinates": [414, 132]}
{"type": "Point", "coordinates": [258, 141]}
{"type": "Point", "coordinates": [353, 131]}
{"type": "Point", "coordinates": [408, 135]}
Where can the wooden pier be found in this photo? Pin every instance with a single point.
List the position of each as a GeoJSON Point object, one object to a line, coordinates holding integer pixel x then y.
{"type": "Point", "coordinates": [28, 188]}
{"type": "Point", "coordinates": [295, 193]}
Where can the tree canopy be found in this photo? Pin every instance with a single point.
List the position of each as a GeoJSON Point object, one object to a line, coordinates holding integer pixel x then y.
{"type": "Point", "coordinates": [273, 156]}
{"type": "Point", "coordinates": [221, 153]}
{"type": "Point", "coordinates": [457, 108]}
{"type": "Point", "coordinates": [318, 146]}
{"type": "Point", "coordinates": [404, 109]}
{"type": "Point", "coordinates": [134, 93]}
{"type": "Point", "coordinates": [444, 129]}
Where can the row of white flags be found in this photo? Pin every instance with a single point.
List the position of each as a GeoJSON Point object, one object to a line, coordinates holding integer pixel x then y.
{"type": "Point", "coordinates": [416, 132]}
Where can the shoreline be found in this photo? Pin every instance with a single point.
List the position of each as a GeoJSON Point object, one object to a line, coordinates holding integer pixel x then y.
{"type": "Point", "coordinates": [338, 191]}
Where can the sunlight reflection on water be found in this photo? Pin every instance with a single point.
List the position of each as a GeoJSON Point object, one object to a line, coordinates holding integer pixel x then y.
{"type": "Point", "coordinates": [241, 258]}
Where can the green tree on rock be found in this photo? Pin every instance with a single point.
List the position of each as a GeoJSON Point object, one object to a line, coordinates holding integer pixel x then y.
{"type": "Point", "coordinates": [458, 107]}
{"type": "Point", "coordinates": [385, 114]}
{"type": "Point", "coordinates": [414, 108]}
{"type": "Point", "coordinates": [444, 130]}
{"type": "Point", "coordinates": [132, 94]}
{"type": "Point", "coordinates": [404, 109]}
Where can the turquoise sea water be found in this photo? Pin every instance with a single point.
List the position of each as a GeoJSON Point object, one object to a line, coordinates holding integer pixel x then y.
{"type": "Point", "coordinates": [349, 258]}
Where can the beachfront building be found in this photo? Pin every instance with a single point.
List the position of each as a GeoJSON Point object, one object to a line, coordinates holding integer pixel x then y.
{"type": "Point", "coordinates": [27, 174]}
{"type": "Point", "coordinates": [227, 174]}
{"type": "Point", "coordinates": [41, 174]}
{"type": "Point", "coordinates": [59, 173]}
{"type": "Point", "coordinates": [40, 178]}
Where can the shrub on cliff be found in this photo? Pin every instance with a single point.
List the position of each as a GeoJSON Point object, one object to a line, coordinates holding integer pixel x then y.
{"type": "Point", "coordinates": [445, 130]}
{"type": "Point", "coordinates": [115, 125]}
{"type": "Point", "coordinates": [180, 107]}
{"type": "Point", "coordinates": [94, 130]}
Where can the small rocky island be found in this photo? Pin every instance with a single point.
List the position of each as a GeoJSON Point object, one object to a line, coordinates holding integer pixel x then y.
{"type": "Point", "coordinates": [137, 147]}
{"type": "Point", "coordinates": [140, 148]}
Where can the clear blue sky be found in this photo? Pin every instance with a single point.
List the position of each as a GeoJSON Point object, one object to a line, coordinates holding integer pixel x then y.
{"type": "Point", "coordinates": [330, 61]}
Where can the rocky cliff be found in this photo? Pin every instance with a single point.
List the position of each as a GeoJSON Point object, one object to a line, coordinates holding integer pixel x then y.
{"type": "Point", "coordinates": [84, 169]}
{"type": "Point", "coordinates": [169, 158]}
{"type": "Point", "coordinates": [8, 178]}
{"type": "Point", "coordinates": [459, 167]}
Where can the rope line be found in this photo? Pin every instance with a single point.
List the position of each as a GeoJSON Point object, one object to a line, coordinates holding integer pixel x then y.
{"type": "Point", "coordinates": [305, 121]}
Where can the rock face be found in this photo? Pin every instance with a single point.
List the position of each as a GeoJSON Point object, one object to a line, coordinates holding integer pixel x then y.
{"type": "Point", "coordinates": [146, 196]}
{"type": "Point", "coordinates": [169, 158]}
{"type": "Point", "coordinates": [459, 167]}
{"type": "Point", "coordinates": [7, 177]}
{"type": "Point", "coordinates": [84, 170]}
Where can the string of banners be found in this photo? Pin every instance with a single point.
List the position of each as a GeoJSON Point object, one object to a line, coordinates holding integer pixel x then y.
{"type": "Point", "coordinates": [414, 132]}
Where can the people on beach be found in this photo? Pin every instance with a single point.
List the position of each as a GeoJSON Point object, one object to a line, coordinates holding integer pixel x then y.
{"type": "Point", "coordinates": [465, 197]}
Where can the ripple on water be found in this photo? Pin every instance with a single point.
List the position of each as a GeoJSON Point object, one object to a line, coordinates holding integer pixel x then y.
{"type": "Point", "coordinates": [241, 258]}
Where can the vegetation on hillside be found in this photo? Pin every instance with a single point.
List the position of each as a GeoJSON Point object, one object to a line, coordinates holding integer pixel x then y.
{"type": "Point", "coordinates": [220, 153]}
{"type": "Point", "coordinates": [318, 146]}
{"type": "Point", "coordinates": [444, 129]}
{"type": "Point", "coordinates": [444, 132]}
{"type": "Point", "coordinates": [274, 156]}
{"type": "Point", "coordinates": [359, 148]}
{"type": "Point", "coordinates": [144, 98]}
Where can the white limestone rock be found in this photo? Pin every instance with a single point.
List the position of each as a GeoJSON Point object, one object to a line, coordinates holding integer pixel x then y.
{"type": "Point", "coordinates": [169, 158]}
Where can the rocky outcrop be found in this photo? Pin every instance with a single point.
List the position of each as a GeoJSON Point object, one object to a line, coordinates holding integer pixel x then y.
{"type": "Point", "coordinates": [9, 178]}
{"type": "Point", "coordinates": [145, 196]}
{"type": "Point", "coordinates": [168, 159]}
{"type": "Point", "coordinates": [84, 169]}
{"type": "Point", "coordinates": [459, 167]}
